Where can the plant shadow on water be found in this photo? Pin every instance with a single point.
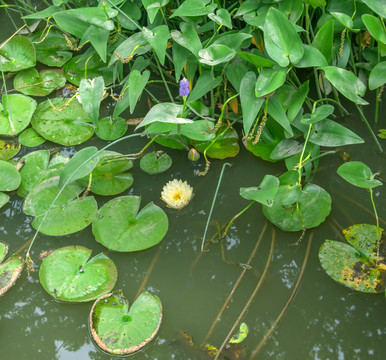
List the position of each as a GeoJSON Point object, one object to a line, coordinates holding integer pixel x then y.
{"type": "Point", "coordinates": [305, 314]}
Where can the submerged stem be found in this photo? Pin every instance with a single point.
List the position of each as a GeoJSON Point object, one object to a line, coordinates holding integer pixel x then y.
{"type": "Point", "coordinates": [363, 117]}
{"type": "Point", "coordinates": [235, 217]}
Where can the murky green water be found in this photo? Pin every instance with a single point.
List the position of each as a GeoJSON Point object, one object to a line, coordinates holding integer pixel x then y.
{"type": "Point", "coordinates": [324, 321]}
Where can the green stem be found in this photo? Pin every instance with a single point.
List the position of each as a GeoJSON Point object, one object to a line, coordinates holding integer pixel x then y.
{"type": "Point", "coordinates": [378, 229]}
{"type": "Point", "coordinates": [370, 129]}
{"type": "Point", "coordinates": [300, 165]}
{"type": "Point", "coordinates": [163, 79]}
{"type": "Point", "coordinates": [235, 217]}
{"type": "Point", "coordinates": [341, 108]}
{"type": "Point", "coordinates": [211, 92]}
{"type": "Point", "coordinates": [213, 202]}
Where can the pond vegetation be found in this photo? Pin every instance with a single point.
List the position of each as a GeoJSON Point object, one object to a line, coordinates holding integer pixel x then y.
{"type": "Point", "coordinates": [272, 76]}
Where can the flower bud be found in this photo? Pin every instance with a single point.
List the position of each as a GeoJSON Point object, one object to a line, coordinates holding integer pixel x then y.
{"type": "Point", "coordinates": [193, 155]}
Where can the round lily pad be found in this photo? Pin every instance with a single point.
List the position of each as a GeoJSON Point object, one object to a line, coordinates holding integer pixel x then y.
{"type": "Point", "coordinates": [110, 128]}
{"type": "Point", "coordinates": [120, 330]}
{"type": "Point", "coordinates": [9, 177]}
{"type": "Point", "coordinates": [37, 167]}
{"type": "Point", "coordinates": [17, 54]}
{"type": "Point", "coordinates": [120, 227]}
{"type": "Point", "coordinates": [68, 274]}
{"type": "Point", "coordinates": [17, 113]}
{"type": "Point", "coordinates": [67, 219]}
{"type": "Point", "coordinates": [70, 126]}
{"type": "Point", "coordinates": [10, 270]}
{"type": "Point", "coordinates": [30, 138]}
{"type": "Point", "coordinates": [3, 251]}
{"type": "Point", "coordinates": [110, 176]}
{"type": "Point", "coordinates": [46, 81]}
{"type": "Point", "coordinates": [155, 162]}
{"type": "Point", "coordinates": [8, 149]}
{"type": "Point", "coordinates": [54, 49]}
{"type": "Point", "coordinates": [314, 205]}
{"type": "Point", "coordinates": [350, 267]}
{"type": "Point", "coordinates": [40, 198]}
{"type": "Point", "coordinates": [4, 198]}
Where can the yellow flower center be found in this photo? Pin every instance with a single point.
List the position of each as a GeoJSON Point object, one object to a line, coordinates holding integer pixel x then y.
{"type": "Point", "coordinates": [177, 196]}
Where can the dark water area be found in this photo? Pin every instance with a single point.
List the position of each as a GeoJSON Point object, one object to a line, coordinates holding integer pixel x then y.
{"type": "Point", "coordinates": [324, 320]}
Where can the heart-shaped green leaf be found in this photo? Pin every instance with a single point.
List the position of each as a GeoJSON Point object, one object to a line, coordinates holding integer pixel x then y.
{"type": "Point", "coordinates": [17, 54]}
{"type": "Point", "coordinates": [110, 176]}
{"type": "Point", "coordinates": [318, 114]}
{"type": "Point", "coordinates": [154, 163]}
{"type": "Point", "coordinates": [188, 38]}
{"type": "Point", "coordinates": [10, 270]}
{"type": "Point", "coordinates": [222, 17]}
{"type": "Point", "coordinates": [269, 80]}
{"type": "Point", "coordinates": [70, 126]}
{"type": "Point", "coordinates": [111, 128]}
{"type": "Point", "coordinates": [314, 205]}
{"type": "Point", "coordinates": [69, 275]}
{"type": "Point", "coordinates": [136, 83]}
{"type": "Point", "coordinates": [358, 174]}
{"type": "Point", "coordinates": [17, 113]}
{"type": "Point", "coordinates": [121, 331]}
{"type": "Point", "coordinates": [9, 177]}
{"type": "Point", "coordinates": [377, 76]}
{"type": "Point", "coordinates": [378, 6]}
{"type": "Point", "coordinates": [120, 227]}
{"type": "Point", "coordinates": [216, 54]}
{"type": "Point", "coordinates": [91, 93]}
{"type": "Point", "coordinates": [199, 130]}
{"type": "Point", "coordinates": [265, 193]}
{"type": "Point", "coordinates": [374, 26]}
{"type": "Point", "coordinates": [30, 82]}
{"type": "Point", "coordinates": [312, 57]}
{"type": "Point", "coordinates": [158, 39]}
{"type": "Point", "coordinates": [30, 138]}
{"type": "Point", "coordinates": [282, 42]}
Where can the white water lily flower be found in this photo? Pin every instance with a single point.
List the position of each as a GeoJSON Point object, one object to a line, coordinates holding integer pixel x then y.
{"type": "Point", "coordinates": [177, 194]}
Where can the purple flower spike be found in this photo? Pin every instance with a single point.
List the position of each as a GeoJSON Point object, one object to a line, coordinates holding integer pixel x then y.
{"type": "Point", "coordinates": [184, 87]}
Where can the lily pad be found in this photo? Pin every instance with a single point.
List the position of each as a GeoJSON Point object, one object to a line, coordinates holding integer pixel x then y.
{"type": "Point", "coordinates": [225, 146]}
{"type": "Point", "coordinates": [3, 251]}
{"type": "Point", "coordinates": [37, 167]}
{"type": "Point", "coordinates": [110, 176]}
{"type": "Point", "coordinates": [17, 54]}
{"type": "Point", "coordinates": [4, 198]}
{"type": "Point", "coordinates": [68, 274]}
{"type": "Point", "coordinates": [8, 149]}
{"type": "Point", "coordinates": [17, 113]}
{"type": "Point", "coordinates": [120, 330]}
{"type": "Point", "coordinates": [46, 81]}
{"type": "Point", "coordinates": [30, 138]}
{"type": "Point", "coordinates": [357, 265]}
{"type": "Point", "coordinates": [120, 227]}
{"type": "Point", "coordinates": [154, 163]}
{"type": "Point", "coordinates": [67, 219]}
{"type": "Point", "coordinates": [10, 271]}
{"type": "Point", "coordinates": [9, 177]}
{"type": "Point", "coordinates": [54, 49]}
{"type": "Point", "coordinates": [70, 126]}
{"type": "Point", "coordinates": [110, 128]}
{"type": "Point", "coordinates": [314, 206]}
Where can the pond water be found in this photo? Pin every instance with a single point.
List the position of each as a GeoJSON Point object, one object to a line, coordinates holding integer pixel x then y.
{"type": "Point", "coordinates": [324, 320]}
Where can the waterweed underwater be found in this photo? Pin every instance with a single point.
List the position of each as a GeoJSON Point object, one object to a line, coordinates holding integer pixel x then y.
{"type": "Point", "coordinates": [274, 74]}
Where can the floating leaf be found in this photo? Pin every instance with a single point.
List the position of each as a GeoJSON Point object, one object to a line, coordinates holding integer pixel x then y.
{"type": "Point", "coordinates": [120, 227]}
{"type": "Point", "coordinates": [70, 126]}
{"type": "Point", "coordinates": [314, 205]}
{"type": "Point", "coordinates": [17, 113]}
{"type": "Point", "coordinates": [121, 331]}
{"type": "Point", "coordinates": [153, 163]}
{"type": "Point", "coordinates": [10, 271]}
{"type": "Point", "coordinates": [356, 266]}
{"type": "Point", "coordinates": [30, 138]}
{"type": "Point", "coordinates": [46, 81]}
{"type": "Point", "coordinates": [67, 219]}
{"type": "Point", "coordinates": [68, 274]}
{"type": "Point", "coordinates": [17, 54]}
{"type": "Point", "coordinates": [111, 128]}
{"type": "Point", "coordinates": [265, 193]}
{"type": "Point", "coordinates": [110, 176]}
{"type": "Point", "coordinates": [358, 174]}
{"type": "Point", "coordinates": [8, 149]}
{"type": "Point", "coordinates": [4, 198]}
{"type": "Point", "coordinates": [9, 177]}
